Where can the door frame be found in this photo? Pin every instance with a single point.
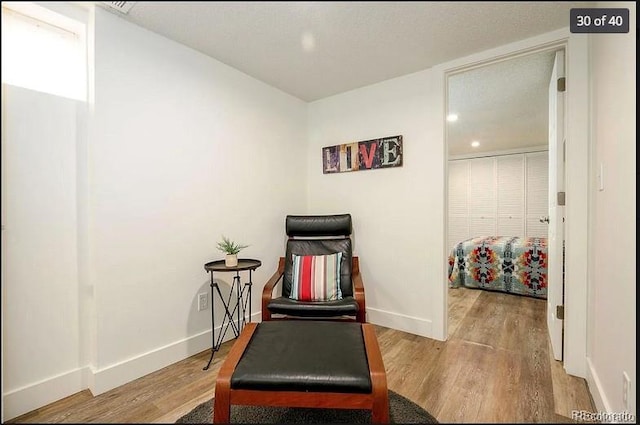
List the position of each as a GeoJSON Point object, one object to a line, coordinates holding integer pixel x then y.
{"type": "Point", "coordinates": [577, 179]}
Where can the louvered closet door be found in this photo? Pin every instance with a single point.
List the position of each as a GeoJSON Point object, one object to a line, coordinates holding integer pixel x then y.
{"type": "Point", "coordinates": [537, 168]}
{"type": "Point", "coordinates": [458, 206]}
{"type": "Point", "coordinates": [482, 197]}
{"type": "Point", "coordinates": [510, 194]}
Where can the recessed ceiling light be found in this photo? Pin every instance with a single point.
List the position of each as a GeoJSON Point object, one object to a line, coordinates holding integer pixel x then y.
{"type": "Point", "coordinates": [452, 117]}
{"type": "Point", "coordinates": [475, 143]}
{"type": "Point", "coordinates": [308, 42]}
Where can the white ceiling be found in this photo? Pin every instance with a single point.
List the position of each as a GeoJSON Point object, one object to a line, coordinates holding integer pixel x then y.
{"type": "Point", "coordinates": [502, 105]}
{"type": "Point", "coordinates": [313, 50]}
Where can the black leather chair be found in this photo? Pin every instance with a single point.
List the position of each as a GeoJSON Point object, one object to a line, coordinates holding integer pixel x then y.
{"type": "Point", "coordinates": [317, 235]}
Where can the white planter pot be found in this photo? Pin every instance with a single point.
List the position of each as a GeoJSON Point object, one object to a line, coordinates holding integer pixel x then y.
{"type": "Point", "coordinates": [231, 260]}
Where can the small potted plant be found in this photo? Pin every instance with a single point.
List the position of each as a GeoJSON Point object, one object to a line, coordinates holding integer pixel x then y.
{"type": "Point", "coordinates": [231, 249]}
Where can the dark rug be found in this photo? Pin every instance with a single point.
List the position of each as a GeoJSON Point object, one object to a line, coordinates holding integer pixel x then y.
{"type": "Point", "coordinates": [401, 411]}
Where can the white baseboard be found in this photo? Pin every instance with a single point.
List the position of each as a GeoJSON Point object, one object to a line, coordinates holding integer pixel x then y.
{"type": "Point", "coordinates": [110, 377]}
{"type": "Point", "coordinates": [595, 388]}
{"type": "Point", "coordinates": [39, 394]}
{"type": "Point", "coordinates": [401, 322]}
{"type": "Point", "coordinates": [606, 413]}
{"type": "Point", "coordinates": [33, 396]}
{"type": "Point", "coordinates": [113, 376]}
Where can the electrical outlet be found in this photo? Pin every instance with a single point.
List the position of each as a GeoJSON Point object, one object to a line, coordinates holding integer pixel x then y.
{"type": "Point", "coordinates": [626, 389]}
{"type": "Point", "coordinates": [203, 301]}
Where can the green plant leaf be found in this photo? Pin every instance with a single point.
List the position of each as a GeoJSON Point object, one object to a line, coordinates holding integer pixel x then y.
{"type": "Point", "coordinates": [230, 247]}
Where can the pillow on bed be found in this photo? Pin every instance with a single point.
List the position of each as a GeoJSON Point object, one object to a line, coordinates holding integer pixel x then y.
{"type": "Point", "coordinates": [316, 277]}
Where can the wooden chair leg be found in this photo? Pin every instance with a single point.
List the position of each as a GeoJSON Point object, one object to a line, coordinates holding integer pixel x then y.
{"type": "Point", "coordinates": [380, 410]}
{"type": "Point", "coordinates": [221, 406]}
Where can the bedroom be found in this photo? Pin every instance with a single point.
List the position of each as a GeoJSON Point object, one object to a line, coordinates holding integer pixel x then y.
{"type": "Point", "coordinates": [147, 185]}
{"type": "Point", "coordinates": [498, 179]}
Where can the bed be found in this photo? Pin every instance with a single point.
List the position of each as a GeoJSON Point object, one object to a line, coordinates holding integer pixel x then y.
{"type": "Point", "coordinates": [501, 263]}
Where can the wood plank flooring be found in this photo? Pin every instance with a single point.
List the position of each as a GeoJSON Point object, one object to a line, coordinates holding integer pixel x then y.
{"type": "Point", "coordinates": [495, 367]}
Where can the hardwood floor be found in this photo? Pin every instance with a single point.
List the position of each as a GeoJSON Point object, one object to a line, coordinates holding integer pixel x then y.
{"type": "Point", "coordinates": [494, 368]}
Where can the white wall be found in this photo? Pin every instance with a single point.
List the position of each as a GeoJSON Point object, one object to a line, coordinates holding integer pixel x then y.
{"type": "Point", "coordinates": [178, 149]}
{"type": "Point", "coordinates": [40, 302]}
{"type": "Point", "coordinates": [612, 283]}
{"type": "Point", "coordinates": [183, 149]}
{"type": "Point", "coordinates": [397, 213]}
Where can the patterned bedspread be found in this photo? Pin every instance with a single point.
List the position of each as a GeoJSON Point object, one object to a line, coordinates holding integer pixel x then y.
{"type": "Point", "coordinates": [501, 263]}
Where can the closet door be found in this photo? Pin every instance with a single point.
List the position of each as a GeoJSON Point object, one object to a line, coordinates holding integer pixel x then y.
{"type": "Point", "coordinates": [537, 168]}
{"type": "Point", "coordinates": [458, 206]}
{"type": "Point", "coordinates": [510, 194]}
{"type": "Point", "coordinates": [482, 197]}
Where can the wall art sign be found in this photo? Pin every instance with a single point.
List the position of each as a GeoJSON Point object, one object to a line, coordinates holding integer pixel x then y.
{"type": "Point", "coordinates": [366, 155]}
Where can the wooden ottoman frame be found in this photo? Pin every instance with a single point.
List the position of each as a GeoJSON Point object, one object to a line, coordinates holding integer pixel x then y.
{"type": "Point", "coordinates": [377, 400]}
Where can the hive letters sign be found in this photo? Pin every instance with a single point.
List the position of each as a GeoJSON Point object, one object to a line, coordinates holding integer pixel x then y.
{"type": "Point", "coordinates": [367, 155]}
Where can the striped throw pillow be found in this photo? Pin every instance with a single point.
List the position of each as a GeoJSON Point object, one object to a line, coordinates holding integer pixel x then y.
{"type": "Point", "coordinates": [316, 277]}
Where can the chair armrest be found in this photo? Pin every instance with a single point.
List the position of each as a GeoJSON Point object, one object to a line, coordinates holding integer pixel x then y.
{"type": "Point", "coordinates": [267, 291]}
{"type": "Point", "coordinates": [358, 290]}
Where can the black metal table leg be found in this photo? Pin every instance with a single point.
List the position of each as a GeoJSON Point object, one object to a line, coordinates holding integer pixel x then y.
{"type": "Point", "coordinates": [238, 300]}
{"type": "Point", "coordinates": [213, 327]}
{"type": "Point", "coordinates": [242, 297]}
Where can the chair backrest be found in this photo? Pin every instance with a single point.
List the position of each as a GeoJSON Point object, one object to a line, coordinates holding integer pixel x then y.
{"type": "Point", "coordinates": [319, 235]}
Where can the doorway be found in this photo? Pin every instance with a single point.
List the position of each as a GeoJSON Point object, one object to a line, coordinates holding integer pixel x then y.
{"type": "Point", "coordinates": [499, 177]}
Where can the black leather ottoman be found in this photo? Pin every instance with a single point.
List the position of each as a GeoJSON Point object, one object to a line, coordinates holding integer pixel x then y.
{"type": "Point", "coordinates": [304, 363]}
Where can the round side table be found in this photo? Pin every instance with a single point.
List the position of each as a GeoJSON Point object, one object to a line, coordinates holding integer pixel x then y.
{"type": "Point", "coordinates": [239, 293]}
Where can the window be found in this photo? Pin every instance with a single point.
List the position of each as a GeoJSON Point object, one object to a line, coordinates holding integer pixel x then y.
{"type": "Point", "coordinates": [43, 50]}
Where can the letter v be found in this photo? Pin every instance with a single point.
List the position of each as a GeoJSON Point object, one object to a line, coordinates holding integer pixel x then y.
{"type": "Point", "coordinates": [368, 157]}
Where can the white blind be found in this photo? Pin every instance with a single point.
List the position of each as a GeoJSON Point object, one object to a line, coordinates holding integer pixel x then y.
{"type": "Point", "coordinates": [482, 226]}
{"type": "Point", "coordinates": [537, 184]}
{"type": "Point", "coordinates": [537, 193]}
{"type": "Point", "coordinates": [511, 226]}
{"type": "Point", "coordinates": [482, 187]}
{"type": "Point", "coordinates": [510, 171]}
{"type": "Point", "coordinates": [458, 230]}
{"type": "Point", "coordinates": [458, 186]}
{"type": "Point", "coordinates": [458, 225]}
{"type": "Point", "coordinates": [498, 196]}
